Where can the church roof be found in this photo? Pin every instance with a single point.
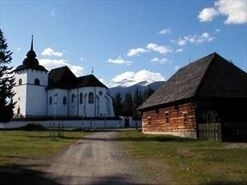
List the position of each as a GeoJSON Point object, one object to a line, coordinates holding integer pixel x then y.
{"type": "Point", "coordinates": [61, 78]}
{"type": "Point", "coordinates": [89, 81]}
{"type": "Point", "coordinates": [64, 78]}
{"type": "Point", "coordinates": [210, 76]}
{"type": "Point", "coordinates": [31, 62]}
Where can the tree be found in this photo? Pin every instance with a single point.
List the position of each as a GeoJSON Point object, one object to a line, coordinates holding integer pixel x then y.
{"type": "Point", "coordinates": [137, 101]}
{"type": "Point", "coordinates": [128, 105]}
{"type": "Point", "coordinates": [148, 92]}
{"type": "Point", "coordinates": [117, 104]}
{"type": "Point", "coordinates": [6, 81]}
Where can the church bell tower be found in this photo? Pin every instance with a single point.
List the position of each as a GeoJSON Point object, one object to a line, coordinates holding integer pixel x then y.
{"type": "Point", "coordinates": [31, 80]}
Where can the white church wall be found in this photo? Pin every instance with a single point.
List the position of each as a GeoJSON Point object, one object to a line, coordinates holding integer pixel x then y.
{"type": "Point", "coordinates": [58, 102]}
{"type": "Point", "coordinates": [36, 96]}
{"type": "Point", "coordinates": [42, 76]}
{"type": "Point", "coordinates": [36, 104]}
{"type": "Point", "coordinates": [20, 93]}
{"type": "Point", "coordinates": [20, 99]}
{"type": "Point", "coordinates": [73, 102]}
{"type": "Point", "coordinates": [94, 108]}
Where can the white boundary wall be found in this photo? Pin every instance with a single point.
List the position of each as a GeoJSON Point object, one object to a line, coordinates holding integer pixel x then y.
{"type": "Point", "coordinates": [79, 124]}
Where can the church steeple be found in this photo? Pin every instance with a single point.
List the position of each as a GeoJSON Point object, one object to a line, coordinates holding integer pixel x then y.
{"type": "Point", "coordinates": [32, 43]}
{"type": "Point", "coordinates": [31, 61]}
{"type": "Point", "coordinates": [31, 55]}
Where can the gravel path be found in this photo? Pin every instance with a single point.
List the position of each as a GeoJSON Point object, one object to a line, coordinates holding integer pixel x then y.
{"type": "Point", "coordinates": [96, 160]}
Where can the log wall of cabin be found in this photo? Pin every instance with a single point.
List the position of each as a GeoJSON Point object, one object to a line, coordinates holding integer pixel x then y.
{"type": "Point", "coordinates": [181, 120]}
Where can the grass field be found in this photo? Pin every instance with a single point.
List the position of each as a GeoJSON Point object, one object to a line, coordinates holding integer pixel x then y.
{"type": "Point", "coordinates": [188, 161]}
{"type": "Point", "coordinates": [16, 146]}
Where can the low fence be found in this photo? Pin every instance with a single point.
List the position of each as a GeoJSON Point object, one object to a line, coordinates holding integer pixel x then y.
{"type": "Point", "coordinates": [77, 124]}
{"type": "Point", "coordinates": [209, 131]}
{"type": "Point", "coordinates": [228, 131]}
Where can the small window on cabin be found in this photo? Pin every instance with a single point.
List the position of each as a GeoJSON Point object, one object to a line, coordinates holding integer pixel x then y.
{"type": "Point", "coordinates": [50, 100]}
{"type": "Point", "coordinates": [185, 117]}
{"type": "Point", "coordinates": [36, 81]}
{"type": "Point", "coordinates": [81, 98]}
{"type": "Point", "coordinates": [100, 93]}
{"type": "Point", "coordinates": [90, 98]}
{"type": "Point", "coordinates": [149, 120]}
{"type": "Point", "coordinates": [167, 118]}
{"type": "Point", "coordinates": [73, 98]}
{"type": "Point", "coordinates": [64, 100]}
{"type": "Point", "coordinates": [20, 81]}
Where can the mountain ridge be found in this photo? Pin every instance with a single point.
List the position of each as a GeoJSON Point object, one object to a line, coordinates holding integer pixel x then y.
{"type": "Point", "coordinates": [141, 86]}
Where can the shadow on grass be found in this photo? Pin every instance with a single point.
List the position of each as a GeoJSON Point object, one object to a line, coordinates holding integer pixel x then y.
{"type": "Point", "coordinates": [23, 175]}
{"type": "Point", "coordinates": [115, 180]}
{"type": "Point", "coordinates": [16, 175]}
{"type": "Point", "coordinates": [225, 183]}
{"type": "Point", "coordinates": [139, 137]}
{"type": "Point", "coordinates": [56, 137]}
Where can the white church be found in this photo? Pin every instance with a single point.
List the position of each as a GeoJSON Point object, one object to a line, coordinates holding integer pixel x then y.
{"type": "Point", "coordinates": [58, 93]}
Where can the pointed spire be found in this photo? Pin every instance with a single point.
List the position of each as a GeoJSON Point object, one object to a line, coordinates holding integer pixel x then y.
{"type": "Point", "coordinates": [32, 43]}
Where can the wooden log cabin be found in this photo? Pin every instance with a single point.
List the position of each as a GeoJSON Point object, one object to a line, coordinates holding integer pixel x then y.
{"type": "Point", "coordinates": [208, 90]}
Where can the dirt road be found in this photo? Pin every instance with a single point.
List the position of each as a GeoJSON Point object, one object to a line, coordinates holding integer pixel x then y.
{"type": "Point", "coordinates": [96, 160]}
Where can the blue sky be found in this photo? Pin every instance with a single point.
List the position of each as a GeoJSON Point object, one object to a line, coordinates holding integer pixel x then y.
{"type": "Point", "coordinates": [125, 42]}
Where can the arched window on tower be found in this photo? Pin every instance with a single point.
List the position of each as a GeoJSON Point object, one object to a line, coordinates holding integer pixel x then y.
{"type": "Point", "coordinates": [20, 81]}
{"type": "Point", "coordinates": [36, 81]}
{"type": "Point", "coordinates": [90, 98]}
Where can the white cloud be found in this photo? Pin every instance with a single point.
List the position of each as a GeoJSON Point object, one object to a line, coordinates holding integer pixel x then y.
{"type": "Point", "coordinates": [207, 14]}
{"type": "Point", "coordinates": [160, 60]}
{"type": "Point", "coordinates": [179, 50]}
{"type": "Point", "coordinates": [164, 31]}
{"type": "Point", "coordinates": [159, 48]}
{"type": "Point", "coordinates": [234, 10]}
{"type": "Point", "coordinates": [83, 59]}
{"type": "Point", "coordinates": [130, 78]}
{"type": "Point", "coordinates": [195, 39]}
{"type": "Point", "coordinates": [119, 60]}
{"type": "Point", "coordinates": [54, 63]}
{"type": "Point", "coordinates": [181, 42]}
{"type": "Point", "coordinates": [136, 52]}
{"type": "Point", "coordinates": [50, 52]}
{"type": "Point", "coordinates": [217, 30]}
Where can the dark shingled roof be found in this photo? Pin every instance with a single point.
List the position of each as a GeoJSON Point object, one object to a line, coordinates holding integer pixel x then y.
{"type": "Point", "coordinates": [210, 76]}
{"type": "Point", "coordinates": [63, 78]}
{"type": "Point", "coordinates": [89, 81]}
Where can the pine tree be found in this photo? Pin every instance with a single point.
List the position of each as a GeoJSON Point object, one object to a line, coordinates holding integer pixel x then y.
{"type": "Point", "coordinates": [118, 104]}
{"type": "Point", "coordinates": [128, 105]}
{"type": "Point", "coordinates": [6, 81]}
{"type": "Point", "coordinates": [137, 101]}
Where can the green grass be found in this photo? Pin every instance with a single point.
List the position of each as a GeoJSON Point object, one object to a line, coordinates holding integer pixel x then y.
{"type": "Point", "coordinates": [16, 146]}
{"type": "Point", "coordinates": [189, 161]}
